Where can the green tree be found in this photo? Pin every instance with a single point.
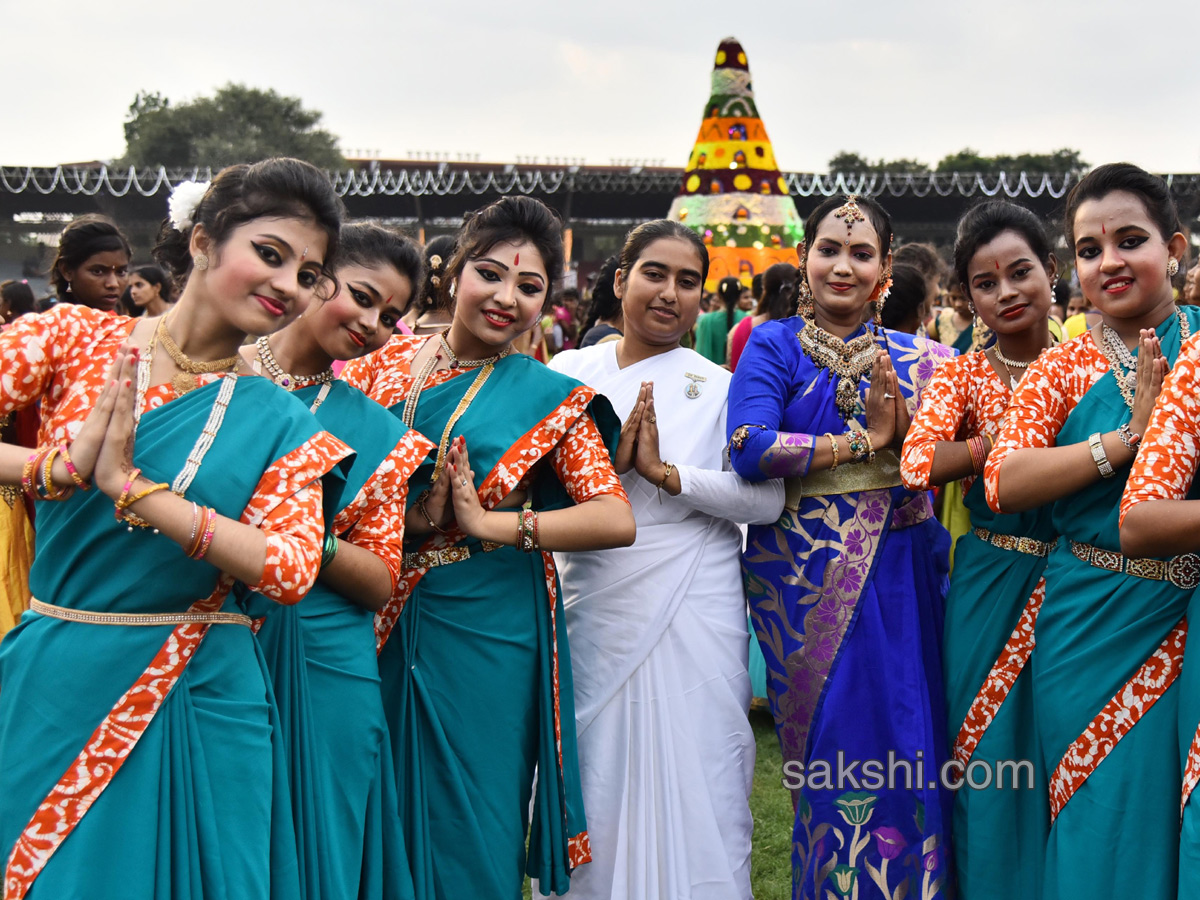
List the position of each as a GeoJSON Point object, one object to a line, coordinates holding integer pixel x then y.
{"type": "Point", "coordinates": [237, 124]}
{"type": "Point", "coordinates": [854, 162]}
{"type": "Point", "coordinates": [1058, 162]}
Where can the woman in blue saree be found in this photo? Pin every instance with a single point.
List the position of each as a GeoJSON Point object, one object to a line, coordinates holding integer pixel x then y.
{"type": "Point", "coordinates": [321, 653]}
{"type": "Point", "coordinates": [474, 659]}
{"type": "Point", "coordinates": [846, 590]}
{"type": "Point", "coordinates": [137, 744]}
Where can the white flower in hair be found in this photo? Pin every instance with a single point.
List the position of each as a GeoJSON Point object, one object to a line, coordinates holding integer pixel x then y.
{"type": "Point", "coordinates": [184, 199]}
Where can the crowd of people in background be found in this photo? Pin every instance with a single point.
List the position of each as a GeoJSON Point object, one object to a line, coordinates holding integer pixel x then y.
{"type": "Point", "coordinates": [441, 572]}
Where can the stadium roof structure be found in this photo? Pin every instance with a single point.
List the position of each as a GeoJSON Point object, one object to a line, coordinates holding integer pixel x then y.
{"type": "Point", "coordinates": [432, 192]}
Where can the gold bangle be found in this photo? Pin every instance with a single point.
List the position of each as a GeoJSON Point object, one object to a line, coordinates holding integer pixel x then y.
{"type": "Point", "coordinates": [670, 467]}
{"type": "Point", "coordinates": [834, 447]}
{"type": "Point", "coordinates": [48, 479]}
{"type": "Point", "coordinates": [154, 488]}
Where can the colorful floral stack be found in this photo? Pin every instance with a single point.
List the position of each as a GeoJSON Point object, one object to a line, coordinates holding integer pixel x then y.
{"type": "Point", "coordinates": [733, 193]}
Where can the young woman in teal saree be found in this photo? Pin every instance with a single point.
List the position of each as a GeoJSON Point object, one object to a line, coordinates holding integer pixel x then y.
{"type": "Point", "coordinates": [321, 653]}
{"type": "Point", "coordinates": [474, 656]}
{"type": "Point", "coordinates": [1159, 515]}
{"type": "Point", "coordinates": [1111, 630]}
{"type": "Point", "coordinates": [137, 744]}
{"type": "Point", "coordinates": [1005, 265]}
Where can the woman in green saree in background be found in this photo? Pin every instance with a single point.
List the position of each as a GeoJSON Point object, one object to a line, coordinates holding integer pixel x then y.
{"type": "Point", "coordinates": [140, 761]}
{"type": "Point", "coordinates": [1111, 630]}
{"type": "Point", "coordinates": [321, 653]}
{"type": "Point", "coordinates": [474, 657]}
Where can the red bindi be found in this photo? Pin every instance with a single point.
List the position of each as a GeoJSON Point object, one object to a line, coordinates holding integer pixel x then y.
{"type": "Point", "coordinates": [388, 300]}
{"type": "Point", "coordinates": [1103, 230]}
{"type": "Point", "coordinates": [517, 260]}
{"type": "Point", "coordinates": [997, 265]}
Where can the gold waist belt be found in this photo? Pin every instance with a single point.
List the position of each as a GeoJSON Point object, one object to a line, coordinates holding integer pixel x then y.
{"type": "Point", "coordinates": [1012, 542]}
{"type": "Point", "coordinates": [1182, 571]}
{"type": "Point", "coordinates": [96, 618]}
{"type": "Point", "coordinates": [848, 478]}
{"type": "Point", "coordinates": [431, 559]}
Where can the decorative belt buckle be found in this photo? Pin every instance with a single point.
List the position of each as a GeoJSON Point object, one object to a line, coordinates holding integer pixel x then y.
{"type": "Point", "coordinates": [1030, 546]}
{"type": "Point", "coordinates": [1183, 571]}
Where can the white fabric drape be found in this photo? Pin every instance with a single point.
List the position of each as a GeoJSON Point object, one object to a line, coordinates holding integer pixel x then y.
{"type": "Point", "coordinates": [659, 648]}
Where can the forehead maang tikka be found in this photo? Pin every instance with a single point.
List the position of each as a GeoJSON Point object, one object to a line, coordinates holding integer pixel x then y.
{"type": "Point", "coordinates": [849, 213]}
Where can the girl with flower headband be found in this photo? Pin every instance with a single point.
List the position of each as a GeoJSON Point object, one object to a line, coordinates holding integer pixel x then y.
{"type": "Point", "coordinates": [1112, 627]}
{"type": "Point", "coordinates": [846, 589]}
{"type": "Point", "coordinates": [1004, 263]}
{"type": "Point", "coordinates": [321, 653]}
{"type": "Point", "coordinates": [162, 477]}
{"type": "Point", "coordinates": [476, 671]}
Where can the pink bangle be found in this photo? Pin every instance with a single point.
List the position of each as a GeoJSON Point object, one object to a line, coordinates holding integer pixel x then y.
{"type": "Point", "coordinates": [29, 475]}
{"type": "Point", "coordinates": [210, 528]}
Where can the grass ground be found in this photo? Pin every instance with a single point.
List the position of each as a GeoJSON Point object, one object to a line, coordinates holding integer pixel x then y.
{"type": "Point", "coordinates": [771, 853]}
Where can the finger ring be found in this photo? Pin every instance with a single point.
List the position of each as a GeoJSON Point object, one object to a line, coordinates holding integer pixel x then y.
{"type": "Point", "coordinates": [888, 396]}
{"type": "Point", "coordinates": [653, 420]}
{"type": "Point", "coordinates": [463, 482]}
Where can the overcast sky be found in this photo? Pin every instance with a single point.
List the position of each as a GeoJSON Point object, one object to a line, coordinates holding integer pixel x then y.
{"type": "Point", "coordinates": [625, 78]}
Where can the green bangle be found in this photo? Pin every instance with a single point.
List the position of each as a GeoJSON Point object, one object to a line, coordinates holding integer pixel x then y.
{"type": "Point", "coordinates": [329, 551]}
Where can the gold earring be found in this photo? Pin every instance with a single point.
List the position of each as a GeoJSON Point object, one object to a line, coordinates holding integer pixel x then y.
{"type": "Point", "coordinates": [1172, 267]}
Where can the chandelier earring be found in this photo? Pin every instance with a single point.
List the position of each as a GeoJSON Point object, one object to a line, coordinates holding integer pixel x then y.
{"type": "Point", "coordinates": [200, 262]}
{"type": "Point", "coordinates": [804, 304]}
{"type": "Point", "coordinates": [1172, 267]}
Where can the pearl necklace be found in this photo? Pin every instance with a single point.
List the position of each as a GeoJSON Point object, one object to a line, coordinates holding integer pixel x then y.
{"type": "Point", "coordinates": [286, 380]}
{"type": "Point", "coordinates": [216, 416]}
{"type": "Point", "coordinates": [456, 363]}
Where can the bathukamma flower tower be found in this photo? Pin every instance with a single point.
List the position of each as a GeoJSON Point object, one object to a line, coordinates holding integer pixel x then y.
{"type": "Point", "coordinates": [733, 194]}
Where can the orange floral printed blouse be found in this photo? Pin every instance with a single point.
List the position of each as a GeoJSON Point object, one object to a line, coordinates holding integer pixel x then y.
{"type": "Point", "coordinates": [580, 459]}
{"type": "Point", "coordinates": [374, 519]}
{"type": "Point", "coordinates": [1051, 388]}
{"type": "Point", "coordinates": [1166, 462]}
{"type": "Point", "coordinates": [965, 398]}
{"type": "Point", "coordinates": [62, 358]}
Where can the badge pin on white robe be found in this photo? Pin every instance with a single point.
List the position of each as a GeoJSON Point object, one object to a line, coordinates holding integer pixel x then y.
{"type": "Point", "coordinates": [693, 390]}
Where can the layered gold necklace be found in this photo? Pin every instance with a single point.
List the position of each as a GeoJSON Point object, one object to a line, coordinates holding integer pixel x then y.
{"type": "Point", "coordinates": [850, 360]}
{"type": "Point", "coordinates": [185, 379]}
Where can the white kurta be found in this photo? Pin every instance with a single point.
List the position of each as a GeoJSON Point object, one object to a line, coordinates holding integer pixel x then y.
{"type": "Point", "coordinates": [658, 650]}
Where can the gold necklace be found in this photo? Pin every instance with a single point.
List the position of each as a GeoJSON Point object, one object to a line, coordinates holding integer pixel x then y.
{"type": "Point", "coordinates": [185, 379]}
{"type": "Point", "coordinates": [286, 380]}
{"type": "Point", "coordinates": [849, 360]}
{"type": "Point", "coordinates": [456, 363]}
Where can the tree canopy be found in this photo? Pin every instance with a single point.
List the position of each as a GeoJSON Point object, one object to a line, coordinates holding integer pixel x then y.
{"type": "Point", "coordinates": [1058, 162]}
{"type": "Point", "coordinates": [237, 124]}
{"type": "Point", "coordinates": [853, 162]}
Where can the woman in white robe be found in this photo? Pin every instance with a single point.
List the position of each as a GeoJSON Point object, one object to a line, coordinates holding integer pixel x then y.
{"type": "Point", "coordinates": [658, 630]}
